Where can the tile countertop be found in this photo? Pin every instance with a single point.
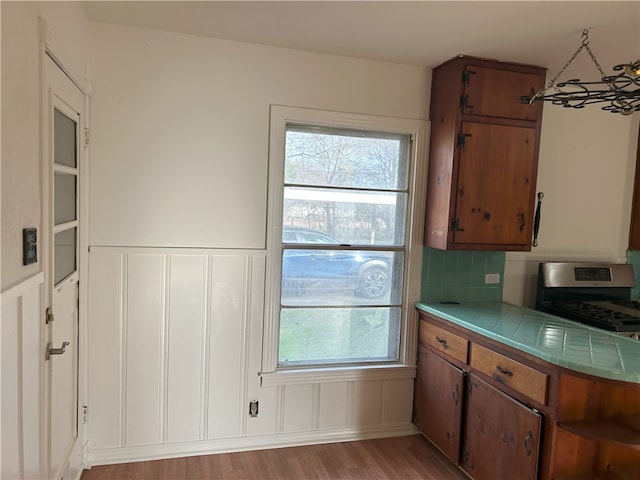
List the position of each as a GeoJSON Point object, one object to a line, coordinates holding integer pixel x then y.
{"type": "Point", "coordinates": [553, 339]}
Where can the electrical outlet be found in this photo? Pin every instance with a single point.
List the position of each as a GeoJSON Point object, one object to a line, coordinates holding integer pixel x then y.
{"type": "Point", "coordinates": [253, 408]}
{"type": "Point", "coordinates": [491, 278]}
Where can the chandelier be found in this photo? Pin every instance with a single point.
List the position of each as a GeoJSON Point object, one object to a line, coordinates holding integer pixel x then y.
{"type": "Point", "coordinates": [620, 93]}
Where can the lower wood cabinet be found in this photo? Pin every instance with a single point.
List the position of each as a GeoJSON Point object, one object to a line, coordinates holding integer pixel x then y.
{"type": "Point", "coordinates": [502, 436]}
{"type": "Point", "coordinates": [499, 413]}
{"type": "Point", "coordinates": [439, 401]}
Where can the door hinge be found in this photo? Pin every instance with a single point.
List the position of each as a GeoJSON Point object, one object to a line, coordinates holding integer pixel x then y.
{"type": "Point", "coordinates": [455, 225]}
{"type": "Point", "coordinates": [87, 137]}
{"type": "Point", "coordinates": [85, 413]}
{"type": "Point", "coordinates": [462, 138]}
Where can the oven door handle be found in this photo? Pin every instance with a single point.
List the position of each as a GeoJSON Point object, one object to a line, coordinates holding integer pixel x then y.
{"type": "Point", "coordinates": [536, 221]}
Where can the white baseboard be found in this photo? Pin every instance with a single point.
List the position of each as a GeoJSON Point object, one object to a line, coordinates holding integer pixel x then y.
{"type": "Point", "coordinates": [109, 456]}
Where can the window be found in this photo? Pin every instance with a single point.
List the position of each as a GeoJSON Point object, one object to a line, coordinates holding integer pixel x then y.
{"type": "Point", "coordinates": [341, 226]}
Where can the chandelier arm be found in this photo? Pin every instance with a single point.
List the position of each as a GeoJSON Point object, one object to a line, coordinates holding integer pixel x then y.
{"type": "Point", "coordinates": [620, 93]}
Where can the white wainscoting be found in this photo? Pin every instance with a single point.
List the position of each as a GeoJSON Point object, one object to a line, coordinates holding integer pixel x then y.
{"type": "Point", "coordinates": [21, 447]}
{"type": "Point", "coordinates": [175, 348]}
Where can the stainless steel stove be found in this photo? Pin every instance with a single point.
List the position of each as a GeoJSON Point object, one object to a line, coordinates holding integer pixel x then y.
{"type": "Point", "coordinates": [595, 294]}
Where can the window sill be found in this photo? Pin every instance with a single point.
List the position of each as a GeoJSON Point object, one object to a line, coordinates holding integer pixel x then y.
{"type": "Point", "coordinates": [337, 374]}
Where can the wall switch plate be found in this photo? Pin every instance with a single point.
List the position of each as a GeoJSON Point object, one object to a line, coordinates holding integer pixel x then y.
{"type": "Point", "coordinates": [491, 278]}
{"type": "Point", "coordinates": [29, 246]}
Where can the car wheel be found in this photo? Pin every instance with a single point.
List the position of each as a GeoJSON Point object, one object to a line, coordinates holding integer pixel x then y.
{"type": "Point", "coordinates": [374, 282]}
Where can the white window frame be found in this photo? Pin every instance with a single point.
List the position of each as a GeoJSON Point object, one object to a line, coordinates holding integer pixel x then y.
{"type": "Point", "coordinates": [280, 117]}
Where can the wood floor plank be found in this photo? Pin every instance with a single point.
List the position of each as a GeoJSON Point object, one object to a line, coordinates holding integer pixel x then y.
{"type": "Point", "coordinates": [401, 458]}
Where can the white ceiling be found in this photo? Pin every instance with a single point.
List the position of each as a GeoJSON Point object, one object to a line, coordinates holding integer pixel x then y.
{"type": "Point", "coordinates": [423, 33]}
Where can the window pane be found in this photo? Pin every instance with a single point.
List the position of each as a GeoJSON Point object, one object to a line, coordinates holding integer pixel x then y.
{"type": "Point", "coordinates": [338, 335]}
{"type": "Point", "coordinates": [345, 159]}
{"type": "Point", "coordinates": [64, 140]}
{"type": "Point", "coordinates": [65, 198]}
{"type": "Point", "coordinates": [64, 254]}
{"type": "Point", "coordinates": [347, 216]}
{"type": "Point", "coordinates": [344, 212]}
{"type": "Point", "coordinates": [341, 277]}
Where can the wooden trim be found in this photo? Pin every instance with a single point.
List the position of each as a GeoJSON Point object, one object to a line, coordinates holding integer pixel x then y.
{"type": "Point", "coordinates": [634, 231]}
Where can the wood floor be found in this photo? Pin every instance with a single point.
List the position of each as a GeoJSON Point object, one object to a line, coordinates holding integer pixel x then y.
{"type": "Point", "coordinates": [401, 458]}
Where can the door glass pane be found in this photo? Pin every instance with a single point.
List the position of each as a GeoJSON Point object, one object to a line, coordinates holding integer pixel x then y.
{"type": "Point", "coordinates": [64, 254]}
{"type": "Point", "coordinates": [64, 140]}
{"type": "Point", "coordinates": [65, 198]}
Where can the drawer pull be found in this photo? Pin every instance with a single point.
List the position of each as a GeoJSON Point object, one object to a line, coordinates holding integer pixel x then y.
{"type": "Point", "coordinates": [526, 443]}
{"type": "Point", "coordinates": [508, 373]}
{"type": "Point", "coordinates": [442, 341]}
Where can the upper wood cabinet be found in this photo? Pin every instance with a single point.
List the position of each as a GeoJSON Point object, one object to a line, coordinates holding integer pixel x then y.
{"type": "Point", "coordinates": [483, 159]}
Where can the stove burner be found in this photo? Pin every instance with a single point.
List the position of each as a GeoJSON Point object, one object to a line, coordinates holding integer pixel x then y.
{"type": "Point", "coordinates": [595, 294]}
{"type": "Point", "coordinates": [616, 315]}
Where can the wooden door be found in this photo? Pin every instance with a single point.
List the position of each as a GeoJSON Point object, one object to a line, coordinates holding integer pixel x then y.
{"type": "Point", "coordinates": [502, 436]}
{"type": "Point", "coordinates": [442, 403]}
{"type": "Point", "coordinates": [495, 185]}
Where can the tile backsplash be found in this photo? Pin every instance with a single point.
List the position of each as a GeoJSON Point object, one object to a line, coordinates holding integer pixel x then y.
{"type": "Point", "coordinates": [459, 276]}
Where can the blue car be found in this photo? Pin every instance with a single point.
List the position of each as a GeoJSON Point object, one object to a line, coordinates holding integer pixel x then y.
{"type": "Point", "coordinates": [306, 271]}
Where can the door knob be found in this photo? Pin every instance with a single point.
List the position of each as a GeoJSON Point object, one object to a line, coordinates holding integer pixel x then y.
{"type": "Point", "coordinates": [54, 351]}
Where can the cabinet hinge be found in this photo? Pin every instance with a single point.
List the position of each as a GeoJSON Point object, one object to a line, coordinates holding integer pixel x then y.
{"type": "Point", "coordinates": [465, 458]}
{"type": "Point", "coordinates": [455, 225]}
{"type": "Point", "coordinates": [466, 76]}
{"type": "Point", "coordinates": [464, 100]}
{"type": "Point", "coordinates": [462, 138]}
{"type": "Point", "coordinates": [470, 387]}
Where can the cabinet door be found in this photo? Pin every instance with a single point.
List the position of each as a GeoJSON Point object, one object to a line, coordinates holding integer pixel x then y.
{"type": "Point", "coordinates": [440, 409]}
{"type": "Point", "coordinates": [495, 185]}
{"type": "Point", "coordinates": [496, 92]}
{"type": "Point", "coordinates": [502, 436]}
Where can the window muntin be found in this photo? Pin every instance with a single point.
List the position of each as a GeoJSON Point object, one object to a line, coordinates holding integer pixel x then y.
{"type": "Point", "coordinates": [345, 192]}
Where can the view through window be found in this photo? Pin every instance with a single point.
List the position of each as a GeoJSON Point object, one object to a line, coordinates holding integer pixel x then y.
{"type": "Point", "coordinates": [343, 245]}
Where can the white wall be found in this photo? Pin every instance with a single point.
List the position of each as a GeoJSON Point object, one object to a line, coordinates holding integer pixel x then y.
{"type": "Point", "coordinates": [586, 172]}
{"type": "Point", "coordinates": [178, 185]}
{"type": "Point", "coordinates": [21, 182]}
{"type": "Point", "coordinates": [180, 129]}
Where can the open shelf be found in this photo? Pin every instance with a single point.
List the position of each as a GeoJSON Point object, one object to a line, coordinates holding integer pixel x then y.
{"type": "Point", "coordinates": [623, 430]}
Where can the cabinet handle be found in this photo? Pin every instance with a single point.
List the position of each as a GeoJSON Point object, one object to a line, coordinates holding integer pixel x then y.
{"type": "Point", "coordinates": [523, 221]}
{"type": "Point", "coordinates": [508, 373]}
{"type": "Point", "coordinates": [526, 443]}
{"type": "Point", "coordinates": [443, 342]}
{"type": "Point", "coordinates": [456, 394]}
{"type": "Point", "coordinates": [536, 221]}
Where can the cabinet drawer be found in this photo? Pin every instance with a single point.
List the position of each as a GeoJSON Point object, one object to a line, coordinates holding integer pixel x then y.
{"type": "Point", "coordinates": [512, 373]}
{"type": "Point", "coordinates": [444, 341]}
